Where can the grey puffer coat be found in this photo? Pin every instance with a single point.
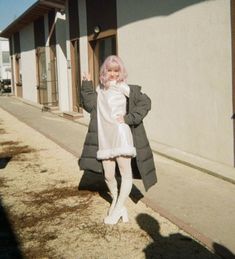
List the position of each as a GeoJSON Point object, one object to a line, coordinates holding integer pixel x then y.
{"type": "Point", "coordinates": [138, 105]}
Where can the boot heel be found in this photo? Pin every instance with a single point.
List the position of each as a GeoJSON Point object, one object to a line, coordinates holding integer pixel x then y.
{"type": "Point", "coordinates": [125, 216]}
{"type": "Point", "coordinates": [116, 215]}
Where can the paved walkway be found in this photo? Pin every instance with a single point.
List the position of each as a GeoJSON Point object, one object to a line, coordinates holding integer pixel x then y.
{"type": "Point", "coordinates": [201, 204]}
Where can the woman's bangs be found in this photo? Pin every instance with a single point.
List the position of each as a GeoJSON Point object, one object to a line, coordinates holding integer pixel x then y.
{"type": "Point", "coordinates": [113, 65]}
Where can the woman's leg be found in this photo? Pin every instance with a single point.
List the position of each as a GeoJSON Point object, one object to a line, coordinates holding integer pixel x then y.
{"type": "Point", "coordinates": [124, 164]}
{"type": "Point", "coordinates": [109, 173]}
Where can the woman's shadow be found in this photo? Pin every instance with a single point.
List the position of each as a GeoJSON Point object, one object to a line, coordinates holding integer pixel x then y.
{"type": "Point", "coordinates": [94, 182]}
{"type": "Point", "coordinates": [176, 245]}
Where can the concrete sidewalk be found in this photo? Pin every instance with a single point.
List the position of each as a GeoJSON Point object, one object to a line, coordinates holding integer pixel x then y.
{"type": "Point", "coordinates": [201, 204]}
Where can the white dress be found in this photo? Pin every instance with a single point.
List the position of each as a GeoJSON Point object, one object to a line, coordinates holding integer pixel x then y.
{"type": "Point", "coordinates": [114, 138]}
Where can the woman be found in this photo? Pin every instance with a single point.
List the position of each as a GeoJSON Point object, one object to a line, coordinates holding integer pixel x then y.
{"type": "Point", "coordinates": [116, 134]}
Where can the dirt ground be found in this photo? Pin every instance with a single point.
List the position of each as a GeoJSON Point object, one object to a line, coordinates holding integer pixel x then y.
{"type": "Point", "coordinates": [48, 209]}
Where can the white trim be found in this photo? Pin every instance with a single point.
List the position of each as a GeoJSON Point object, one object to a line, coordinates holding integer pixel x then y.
{"type": "Point", "coordinates": [114, 152]}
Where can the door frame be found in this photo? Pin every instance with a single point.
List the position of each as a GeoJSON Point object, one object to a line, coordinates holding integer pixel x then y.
{"type": "Point", "coordinates": [18, 75]}
{"type": "Point", "coordinates": [75, 73]}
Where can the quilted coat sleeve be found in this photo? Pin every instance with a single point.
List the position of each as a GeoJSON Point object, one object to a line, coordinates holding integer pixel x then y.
{"type": "Point", "coordinates": [88, 95]}
{"type": "Point", "coordinates": [140, 104]}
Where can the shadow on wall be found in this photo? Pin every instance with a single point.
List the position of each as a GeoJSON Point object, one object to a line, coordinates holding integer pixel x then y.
{"type": "Point", "coordinates": [152, 8]}
{"type": "Point", "coordinates": [128, 15]}
{"type": "Point", "coordinates": [9, 245]}
{"type": "Point", "coordinates": [61, 35]}
{"type": "Point", "coordinates": [155, 8]}
{"type": "Point", "coordinates": [176, 246]}
{"type": "Point", "coordinates": [60, 27]}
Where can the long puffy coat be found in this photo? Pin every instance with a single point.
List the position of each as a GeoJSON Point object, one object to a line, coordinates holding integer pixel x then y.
{"type": "Point", "coordinates": [138, 105]}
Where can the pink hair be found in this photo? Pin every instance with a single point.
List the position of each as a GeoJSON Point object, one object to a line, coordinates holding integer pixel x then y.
{"type": "Point", "coordinates": [109, 61]}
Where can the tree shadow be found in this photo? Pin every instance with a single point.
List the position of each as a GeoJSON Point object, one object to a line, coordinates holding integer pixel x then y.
{"type": "Point", "coordinates": [174, 246]}
{"type": "Point", "coordinates": [9, 244]}
{"type": "Point", "coordinates": [94, 182]}
{"type": "Point", "coordinates": [4, 161]}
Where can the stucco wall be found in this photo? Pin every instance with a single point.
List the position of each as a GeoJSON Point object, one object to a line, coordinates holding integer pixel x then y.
{"type": "Point", "coordinates": [28, 62]}
{"type": "Point", "coordinates": [83, 45]}
{"type": "Point", "coordinates": [63, 87]}
{"type": "Point", "coordinates": [83, 39]}
{"type": "Point", "coordinates": [180, 52]}
{"type": "Point", "coordinates": [13, 65]}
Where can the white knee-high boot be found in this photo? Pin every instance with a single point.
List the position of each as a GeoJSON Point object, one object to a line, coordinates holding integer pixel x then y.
{"type": "Point", "coordinates": [125, 190]}
{"type": "Point", "coordinates": [109, 172]}
{"type": "Point", "coordinates": [112, 186]}
{"type": "Point", "coordinates": [120, 211]}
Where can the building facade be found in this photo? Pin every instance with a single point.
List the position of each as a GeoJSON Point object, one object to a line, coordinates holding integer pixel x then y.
{"type": "Point", "coordinates": [181, 53]}
{"type": "Point", "coordinates": [5, 64]}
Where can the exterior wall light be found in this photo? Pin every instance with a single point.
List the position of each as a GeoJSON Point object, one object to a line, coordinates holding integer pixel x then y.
{"type": "Point", "coordinates": [96, 29]}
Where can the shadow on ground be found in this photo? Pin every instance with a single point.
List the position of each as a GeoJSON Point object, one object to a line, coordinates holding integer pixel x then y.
{"type": "Point", "coordinates": [176, 246]}
{"type": "Point", "coordinates": [4, 161]}
{"type": "Point", "coordinates": [94, 182]}
{"type": "Point", "coordinates": [9, 244]}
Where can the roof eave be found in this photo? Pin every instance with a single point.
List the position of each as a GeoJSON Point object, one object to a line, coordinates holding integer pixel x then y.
{"type": "Point", "coordinates": [38, 9]}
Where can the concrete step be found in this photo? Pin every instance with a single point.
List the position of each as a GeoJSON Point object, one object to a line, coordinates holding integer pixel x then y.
{"type": "Point", "coordinates": [50, 108]}
{"type": "Point", "coordinates": [72, 115]}
{"type": "Point", "coordinates": [53, 108]}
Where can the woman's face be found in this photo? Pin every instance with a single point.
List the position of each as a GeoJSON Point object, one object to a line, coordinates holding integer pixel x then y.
{"type": "Point", "coordinates": [113, 72]}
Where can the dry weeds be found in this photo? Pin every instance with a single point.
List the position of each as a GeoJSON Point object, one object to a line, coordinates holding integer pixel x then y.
{"type": "Point", "coordinates": [46, 215]}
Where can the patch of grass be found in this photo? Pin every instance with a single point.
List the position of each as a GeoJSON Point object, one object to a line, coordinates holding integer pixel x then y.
{"type": "Point", "coordinates": [45, 211]}
{"type": "Point", "coordinates": [51, 195]}
{"type": "Point", "coordinates": [46, 201]}
{"type": "Point", "coordinates": [38, 252]}
{"type": "Point", "coordinates": [13, 151]}
{"type": "Point", "coordinates": [9, 143]}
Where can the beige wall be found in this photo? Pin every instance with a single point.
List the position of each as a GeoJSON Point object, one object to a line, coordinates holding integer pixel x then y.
{"type": "Point", "coordinates": [83, 39]}
{"type": "Point", "coordinates": [83, 45]}
{"type": "Point", "coordinates": [14, 70]}
{"type": "Point", "coordinates": [62, 64]}
{"type": "Point", "coordinates": [181, 55]}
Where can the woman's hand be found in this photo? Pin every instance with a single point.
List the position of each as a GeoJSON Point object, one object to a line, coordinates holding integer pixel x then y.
{"type": "Point", "coordinates": [120, 118]}
{"type": "Point", "coordinates": [86, 76]}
